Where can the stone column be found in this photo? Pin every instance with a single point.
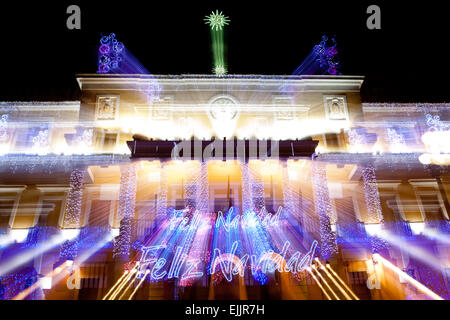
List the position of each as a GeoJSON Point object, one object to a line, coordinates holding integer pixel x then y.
{"type": "Point", "coordinates": [127, 200]}
{"type": "Point", "coordinates": [328, 247]}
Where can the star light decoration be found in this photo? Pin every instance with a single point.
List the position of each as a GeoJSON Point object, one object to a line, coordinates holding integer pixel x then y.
{"type": "Point", "coordinates": [220, 70]}
{"type": "Point", "coordinates": [216, 20]}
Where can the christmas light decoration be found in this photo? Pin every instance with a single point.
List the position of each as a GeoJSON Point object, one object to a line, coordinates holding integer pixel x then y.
{"type": "Point", "coordinates": [374, 212]}
{"type": "Point", "coordinates": [16, 282]}
{"type": "Point", "coordinates": [372, 196]}
{"type": "Point", "coordinates": [257, 189]}
{"type": "Point", "coordinates": [161, 206]}
{"type": "Point", "coordinates": [220, 70]}
{"type": "Point", "coordinates": [4, 128]}
{"type": "Point", "coordinates": [227, 263]}
{"type": "Point", "coordinates": [432, 278]}
{"type": "Point", "coordinates": [291, 199]}
{"type": "Point", "coordinates": [323, 59]}
{"type": "Point", "coordinates": [247, 201]}
{"type": "Point", "coordinates": [324, 210]}
{"type": "Point", "coordinates": [72, 213]}
{"type": "Point", "coordinates": [110, 54]}
{"type": "Point", "coordinates": [84, 140]}
{"type": "Point", "coordinates": [357, 141]}
{"type": "Point", "coordinates": [41, 142]}
{"type": "Point", "coordinates": [217, 22]}
{"type": "Point", "coordinates": [127, 197]}
{"type": "Point", "coordinates": [396, 141]}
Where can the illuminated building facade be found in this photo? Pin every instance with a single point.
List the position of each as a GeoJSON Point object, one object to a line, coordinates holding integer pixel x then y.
{"type": "Point", "coordinates": [90, 188]}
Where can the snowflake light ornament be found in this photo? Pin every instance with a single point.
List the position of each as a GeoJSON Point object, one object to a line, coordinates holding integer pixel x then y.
{"type": "Point", "coordinates": [217, 20]}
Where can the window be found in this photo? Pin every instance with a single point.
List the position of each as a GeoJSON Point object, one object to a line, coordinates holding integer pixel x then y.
{"type": "Point", "coordinates": [110, 141]}
{"type": "Point", "coordinates": [332, 141]}
{"type": "Point", "coordinates": [9, 201]}
{"type": "Point", "coordinates": [6, 209]}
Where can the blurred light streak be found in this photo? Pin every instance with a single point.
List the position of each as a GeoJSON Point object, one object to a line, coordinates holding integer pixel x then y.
{"type": "Point", "coordinates": [342, 282]}
{"type": "Point", "coordinates": [28, 255]}
{"type": "Point", "coordinates": [124, 282]}
{"type": "Point", "coordinates": [433, 234]}
{"type": "Point", "coordinates": [334, 281]}
{"type": "Point", "coordinates": [115, 285]}
{"type": "Point", "coordinates": [325, 282]}
{"type": "Point", "coordinates": [56, 273]}
{"type": "Point", "coordinates": [407, 277]}
{"type": "Point", "coordinates": [130, 282]}
{"type": "Point", "coordinates": [418, 253]}
{"type": "Point", "coordinates": [318, 283]}
{"type": "Point", "coordinates": [139, 285]}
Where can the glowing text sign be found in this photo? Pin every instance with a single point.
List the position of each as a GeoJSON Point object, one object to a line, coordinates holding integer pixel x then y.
{"type": "Point", "coordinates": [228, 263]}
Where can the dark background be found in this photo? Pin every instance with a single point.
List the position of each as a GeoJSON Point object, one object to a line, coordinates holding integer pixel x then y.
{"type": "Point", "coordinates": [406, 61]}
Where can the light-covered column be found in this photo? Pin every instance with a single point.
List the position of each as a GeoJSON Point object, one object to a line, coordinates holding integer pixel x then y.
{"type": "Point", "coordinates": [191, 185]}
{"type": "Point", "coordinates": [72, 214]}
{"type": "Point", "coordinates": [196, 187]}
{"type": "Point", "coordinates": [127, 201]}
{"type": "Point", "coordinates": [257, 188]}
{"type": "Point", "coordinates": [202, 202]}
{"type": "Point", "coordinates": [322, 204]}
{"type": "Point", "coordinates": [291, 199]}
{"type": "Point", "coordinates": [247, 201]}
{"type": "Point", "coordinates": [374, 213]}
{"type": "Point", "coordinates": [161, 207]}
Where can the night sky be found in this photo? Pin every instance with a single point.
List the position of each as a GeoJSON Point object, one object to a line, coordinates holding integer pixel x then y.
{"type": "Point", "coordinates": [406, 61]}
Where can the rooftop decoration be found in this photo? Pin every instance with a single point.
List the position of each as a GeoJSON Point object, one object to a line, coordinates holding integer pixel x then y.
{"type": "Point", "coordinates": [323, 59]}
{"type": "Point", "coordinates": [217, 22]}
{"type": "Point", "coordinates": [110, 54]}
